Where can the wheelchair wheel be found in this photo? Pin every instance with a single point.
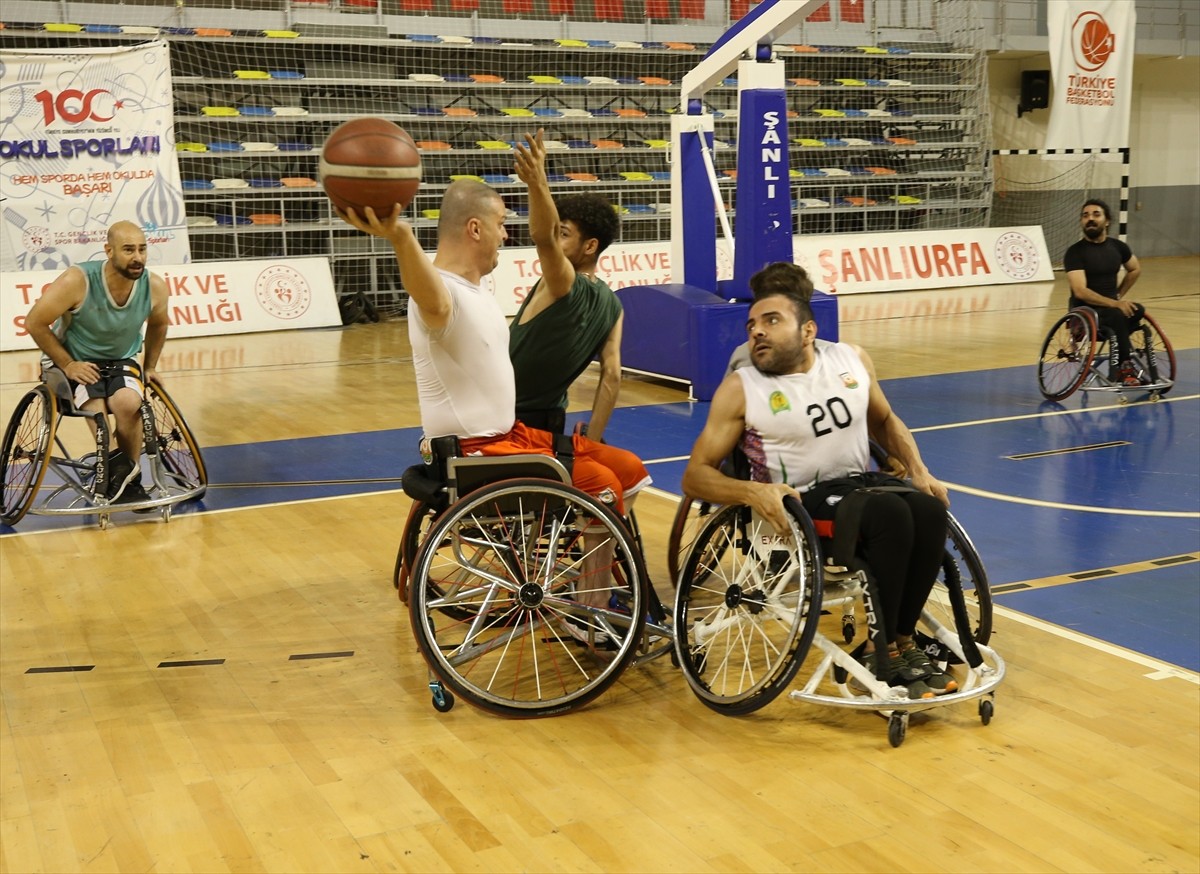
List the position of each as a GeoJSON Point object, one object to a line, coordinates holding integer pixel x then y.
{"type": "Point", "coordinates": [494, 598]}
{"type": "Point", "coordinates": [176, 445]}
{"type": "Point", "coordinates": [1150, 344]}
{"type": "Point", "coordinates": [26, 451]}
{"type": "Point", "coordinates": [1067, 355]}
{"type": "Point", "coordinates": [690, 516]}
{"type": "Point", "coordinates": [747, 608]}
{"type": "Point", "coordinates": [962, 566]}
{"type": "Point", "coordinates": [420, 519]}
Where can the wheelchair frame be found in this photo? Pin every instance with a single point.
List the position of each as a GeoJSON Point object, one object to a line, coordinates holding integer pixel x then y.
{"type": "Point", "coordinates": [491, 586]}
{"type": "Point", "coordinates": [1075, 356]}
{"type": "Point", "coordinates": [748, 610]}
{"type": "Point", "coordinates": [80, 484]}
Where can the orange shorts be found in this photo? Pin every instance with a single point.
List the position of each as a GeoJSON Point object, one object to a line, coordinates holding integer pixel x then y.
{"type": "Point", "coordinates": [600, 470]}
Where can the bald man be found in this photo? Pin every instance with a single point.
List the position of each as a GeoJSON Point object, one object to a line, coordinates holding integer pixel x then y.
{"type": "Point", "coordinates": [89, 324]}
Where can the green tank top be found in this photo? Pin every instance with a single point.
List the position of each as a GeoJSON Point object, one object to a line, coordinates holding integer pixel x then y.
{"type": "Point", "coordinates": [100, 330]}
{"type": "Point", "coordinates": [555, 346]}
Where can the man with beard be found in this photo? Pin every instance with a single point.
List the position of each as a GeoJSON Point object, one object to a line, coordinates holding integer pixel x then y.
{"type": "Point", "coordinates": [803, 415]}
{"type": "Point", "coordinates": [1092, 266]}
{"type": "Point", "coordinates": [88, 324]}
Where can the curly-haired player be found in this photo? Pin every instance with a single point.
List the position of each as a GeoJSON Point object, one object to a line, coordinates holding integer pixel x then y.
{"type": "Point", "coordinates": [570, 316]}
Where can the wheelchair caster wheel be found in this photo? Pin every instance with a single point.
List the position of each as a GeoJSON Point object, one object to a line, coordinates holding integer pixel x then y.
{"type": "Point", "coordinates": [443, 701]}
{"type": "Point", "coordinates": [848, 629]}
{"type": "Point", "coordinates": [897, 728]}
{"type": "Point", "coordinates": [1121, 399]}
{"type": "Point", "coordinates": [986, 709]}
{"type": "Point", "coordinates": [1154, 396]}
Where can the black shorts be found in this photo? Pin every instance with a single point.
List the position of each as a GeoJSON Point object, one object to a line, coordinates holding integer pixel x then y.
{"type": "Point", "coordinates": [114, 376]}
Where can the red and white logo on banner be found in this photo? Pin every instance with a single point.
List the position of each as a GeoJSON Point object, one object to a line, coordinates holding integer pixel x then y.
{"type": "Point", "coordinates": [1092, 41]}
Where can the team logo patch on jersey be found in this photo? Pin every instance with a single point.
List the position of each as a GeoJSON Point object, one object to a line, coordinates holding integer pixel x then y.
{"type": "Point", "coordinates": [778, 402]}
{"type": "Point", "coordinates": [848, 380]}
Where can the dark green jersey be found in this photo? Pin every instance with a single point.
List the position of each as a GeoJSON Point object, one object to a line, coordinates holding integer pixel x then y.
{"type": "Point", "coordinates": [554, 347]}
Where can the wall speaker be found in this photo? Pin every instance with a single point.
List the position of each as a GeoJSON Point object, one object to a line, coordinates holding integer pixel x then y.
{"type": "Point", "coordinates": [1035, 90]}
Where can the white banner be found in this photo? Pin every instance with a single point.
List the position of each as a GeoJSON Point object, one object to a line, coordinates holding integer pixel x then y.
{"type": "Point", "coordinates": [211, 297]}
{"type": "Point", "coordinates": [1091, 69]}
{"type": "Point", "coordinates": [842, 264]}
{"type": "Point", "coordinates": [85, 141]}
{"type": "Point", "coordinates": [903, 261]}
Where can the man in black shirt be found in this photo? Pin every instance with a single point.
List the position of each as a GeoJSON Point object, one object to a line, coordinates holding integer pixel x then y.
{"type": "Point", "coordinates": [1092, 267]}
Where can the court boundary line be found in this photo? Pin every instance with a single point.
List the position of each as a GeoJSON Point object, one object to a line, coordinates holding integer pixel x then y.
{"type": "Point", "coordinates": [1160, 670]}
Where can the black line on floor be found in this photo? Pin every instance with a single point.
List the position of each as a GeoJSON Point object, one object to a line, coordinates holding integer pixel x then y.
{"type": "Point", "coordinates": [1175, 559]}
{"type": "Point", "coordinates": [321, 655]}
{"type": "Point", "coordinates": [60, 669]}
{"type": "Point", "coordinates": [1088, 575]}
{"type": "Point", "coordinates": [191, 663]}
{"type": "Point", "coordinates": [1011, 587]}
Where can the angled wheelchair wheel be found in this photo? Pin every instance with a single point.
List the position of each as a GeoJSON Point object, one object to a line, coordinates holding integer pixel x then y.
{"type": "Point", "coordinates": [1067, 355]}
{"type": "Point", "coordinates": [497, 598]}
{"type": "Point", "coordinates": [177, 447]}
{"type": "Point", "coordinates": [747, 608]}
{"type": "Point", "coordinates": [421, 517]}
{"type": "Point", "coordinates": [1152, 353]}
{"type": "Point", "coordinates": [961, 566]}
{"type": "Point", "coordinates": [690, 516]}
{"type": "Point", "coordinates": [26, 451]}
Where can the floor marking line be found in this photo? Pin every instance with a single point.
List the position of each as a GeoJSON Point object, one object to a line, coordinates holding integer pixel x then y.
{"type": "Point", "coordinates": [1046, 453]}
{"type": "Point", "coordinates": [321, 655]}
{"type": "Point", "coordinates": [1082, 508]}
{"type": "Point", "coordinates": [1023, 416]}
{"type": "Point", "coordinates": [1135, 567]}
{"type": "Point", "coordinates": [60, 669]}
{"type": "Point", "coordinates": [191, 663]}
{"type": "Point", "coordinates": [1160, 670]}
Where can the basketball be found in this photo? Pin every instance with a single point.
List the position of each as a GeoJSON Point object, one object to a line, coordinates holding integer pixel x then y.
{"type": "Point", "coordinates": [370, 162]}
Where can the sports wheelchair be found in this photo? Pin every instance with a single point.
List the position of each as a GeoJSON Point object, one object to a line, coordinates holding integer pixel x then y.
{"type": "Point", "coordinates": [79, 486]}
{"type": "Point", "coordinates": [1075, 355]}
{"type": "Point", "coordinates": [750, 606]}
{"type": "Point", "coordinates": [497, 558]}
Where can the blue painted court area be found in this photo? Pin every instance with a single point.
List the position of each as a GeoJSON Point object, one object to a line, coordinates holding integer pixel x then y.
{"type": "Point", "coordinates": [1154, 612]}
{"type": "Point", "coordinates": [1127, 493]}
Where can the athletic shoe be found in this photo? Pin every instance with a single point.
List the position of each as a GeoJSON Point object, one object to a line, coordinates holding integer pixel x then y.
{"type": "Point", "coordinates": [121, 471]}
{"type": "Point", "coordinates": [579, 630]}
{"type": "Point", "coordinates": [899, 673]}
{"type": "Point", "coordinates": [1127, 375]}
{"type": "Point", "coordinates": [935, 678]}
{"type": "Point", "coordinates": [134, 493]}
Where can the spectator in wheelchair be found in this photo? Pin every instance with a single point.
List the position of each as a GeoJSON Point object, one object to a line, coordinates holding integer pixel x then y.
{"type": "Point", "coordinates": [89, 325]}
{"type": "Point", "coordinates": [465, 382]}
{"type": "Point", "coordinates": [1092, 265]}
{"type": "Point", "coordinates": [803, 414]}
{"type": "Point", "coordinates": [570, 316]}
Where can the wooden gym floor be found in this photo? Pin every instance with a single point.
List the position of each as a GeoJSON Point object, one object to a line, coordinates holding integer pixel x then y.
{"type": "Point", "coordinates": [255, 760]}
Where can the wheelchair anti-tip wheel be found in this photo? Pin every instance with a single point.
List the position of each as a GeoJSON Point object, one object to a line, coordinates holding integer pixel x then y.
{"type": "Point", "coordinates": [499, 592]}
{"type": "Point", "coordinates": [747, 607]}
{"type": "Point", "coordinates": [1067, 355]}
{"type": "Point", "coordinates": [26, 451]}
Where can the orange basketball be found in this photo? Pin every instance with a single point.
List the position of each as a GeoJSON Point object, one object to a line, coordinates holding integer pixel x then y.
{"type": "Point", "coordinates": [370, 162]}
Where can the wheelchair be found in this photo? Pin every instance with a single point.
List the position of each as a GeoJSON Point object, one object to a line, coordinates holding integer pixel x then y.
{"type": "Point", "coordinates": [79, 485]}
{"type": "Point", "coordinates": [751, 606]}
{"type": "Point", "coordinates": [1075, 356]}
{"type": "Point", "coordinates": [495, 562]}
